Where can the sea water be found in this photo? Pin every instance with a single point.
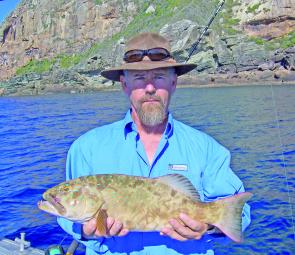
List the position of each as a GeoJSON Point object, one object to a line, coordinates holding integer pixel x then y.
{"type": "Point", "coordinates": [256, 123]}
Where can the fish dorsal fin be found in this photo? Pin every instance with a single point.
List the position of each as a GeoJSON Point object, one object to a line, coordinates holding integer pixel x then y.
{"type": "Point", "coordinates": [181, 184]}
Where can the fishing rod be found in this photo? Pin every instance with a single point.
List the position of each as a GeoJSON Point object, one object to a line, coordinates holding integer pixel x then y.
{"type": "Point", "coordinates": [194, 46]}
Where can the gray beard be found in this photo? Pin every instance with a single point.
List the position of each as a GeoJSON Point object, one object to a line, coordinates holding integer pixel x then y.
{"type": "Point", "coordinates": [151, 114]}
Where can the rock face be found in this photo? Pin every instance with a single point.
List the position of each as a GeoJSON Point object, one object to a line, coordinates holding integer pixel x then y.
{"type": "Point", "coordinates": [267, 19]}
{"type": "Point", "coordinates": [40, 29]}
{"type": "Point", "coordinates": [248, 38]}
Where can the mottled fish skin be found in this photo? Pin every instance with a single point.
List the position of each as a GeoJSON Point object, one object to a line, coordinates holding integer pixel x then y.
{"type": "Point", "coordinates": [147, 204]}
{"type": "Point", "coordinates": [142, 204]}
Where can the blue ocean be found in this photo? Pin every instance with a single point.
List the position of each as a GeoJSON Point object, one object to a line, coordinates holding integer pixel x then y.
{"type": "Point", "coordinates": [256, 123]}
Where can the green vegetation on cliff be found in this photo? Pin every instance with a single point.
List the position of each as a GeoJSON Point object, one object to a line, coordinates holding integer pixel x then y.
{"type": "Point", "coordinates": [36, 66]}
{"type": "Point", "coordinates": [228, 22]}
{"type": "Point", "coordinates": [66, 61]}
{"type": "Point", "coordinates": [45, 65]}
{"type": "Point", "coordinates": [283, 42]}
{"type": "Point", "coordinates": [287, 41]}
{"type": "Point", "coordinates": [252, 8]}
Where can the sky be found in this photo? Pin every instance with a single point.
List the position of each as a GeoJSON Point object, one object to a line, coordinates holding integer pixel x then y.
{"type": "Point", "coordinates": [6, 7]}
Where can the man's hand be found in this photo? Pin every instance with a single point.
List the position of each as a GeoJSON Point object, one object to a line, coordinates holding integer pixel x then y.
{"type": "Point", "coordinates": [185, 228]}
{"type": "Point", "coordinates": [114, 228]}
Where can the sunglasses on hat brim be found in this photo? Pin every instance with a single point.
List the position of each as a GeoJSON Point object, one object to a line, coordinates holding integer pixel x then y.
{"type": "Point", "coordinates": [154, 54]}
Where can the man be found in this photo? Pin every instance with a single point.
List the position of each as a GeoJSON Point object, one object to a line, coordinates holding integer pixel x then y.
{"type": "Point", "coordinates": [149, 142]}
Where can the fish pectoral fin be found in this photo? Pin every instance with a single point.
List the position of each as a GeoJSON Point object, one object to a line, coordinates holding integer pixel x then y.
{"type": "Point", "coordinates": [101, 222]}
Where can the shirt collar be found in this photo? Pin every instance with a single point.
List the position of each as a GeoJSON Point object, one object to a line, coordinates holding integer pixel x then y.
{"type": "Point", "coordinates": [130, 126]}
{"type": "Point", "coordinates": [169, 128]}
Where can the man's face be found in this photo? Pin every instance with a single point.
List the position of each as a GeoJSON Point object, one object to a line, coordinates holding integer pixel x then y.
{"type": "Point", "coordinates": [150, 93]}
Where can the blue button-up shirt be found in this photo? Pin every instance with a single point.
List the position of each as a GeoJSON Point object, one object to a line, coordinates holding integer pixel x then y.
{"type": "Point", "coordinates": [117, 149]}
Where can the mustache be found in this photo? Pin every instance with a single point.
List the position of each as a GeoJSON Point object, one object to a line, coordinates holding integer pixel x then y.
{"type": "Point", "coordinates": [150, 97]}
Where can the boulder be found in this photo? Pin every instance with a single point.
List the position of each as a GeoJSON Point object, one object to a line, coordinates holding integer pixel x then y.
{"type": "Point", "coordinates": [265, 75]}
{"type": "Point", "coordinates": [228, 68]}
{"type": "Point", "coordinates": [222, 53]}
{"type": "Point", "coordinates": [150, 9]}
{"type": "Point", "coordinates": [118, 52]}
{"type": "Point", "coordinates": [278, 57]}
{"type": "Point", "coordinates": [204, 61]}
{"type": "Point", "coordinates": [248, 55]}
{"type": "Point", "coordinates": [131, 7]}
{"type": "Point", "coordinates": [290, 61]}
{"type": "Point", "coordinates": [285, 75]}
{"type": "Point", "coordinates": [181, 34]}
{"type": "Point", "coordinates": [290, 50]}
{"type": "Point", "coordinates": [267, 66]}
{"type": "Point", "coordinates": [231, 40]}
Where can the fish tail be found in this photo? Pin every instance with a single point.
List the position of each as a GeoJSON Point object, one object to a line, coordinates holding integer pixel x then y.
{"type": "Point", "coordinates": [230, 222]}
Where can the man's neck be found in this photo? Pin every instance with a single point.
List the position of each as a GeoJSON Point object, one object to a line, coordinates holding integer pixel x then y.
{"type": "Point", "coordinates": [150, 136]}
{"type": "Point", "coordinates": [156, 130]}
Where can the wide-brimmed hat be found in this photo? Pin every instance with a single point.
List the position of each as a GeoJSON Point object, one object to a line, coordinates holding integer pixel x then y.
{"type": "Point", "coordinates": [146, 41]}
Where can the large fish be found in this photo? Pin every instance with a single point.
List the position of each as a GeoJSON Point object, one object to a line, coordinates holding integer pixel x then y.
{"type": "Point", "coordinates": [141, 204]}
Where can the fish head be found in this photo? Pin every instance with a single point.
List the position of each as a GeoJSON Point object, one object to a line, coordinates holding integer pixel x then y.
{"type": "Point", "coordinates": [73, 200]}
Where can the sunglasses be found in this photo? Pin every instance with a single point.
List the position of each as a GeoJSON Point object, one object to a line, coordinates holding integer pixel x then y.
{"type": "Point", "coordinates": [154, 54]}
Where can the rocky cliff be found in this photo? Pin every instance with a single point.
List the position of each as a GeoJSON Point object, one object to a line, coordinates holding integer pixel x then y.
{"type": "Point", "coordinates": [62, 45]}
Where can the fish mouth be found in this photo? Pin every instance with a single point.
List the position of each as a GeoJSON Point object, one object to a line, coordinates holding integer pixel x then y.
{"type": "Point", "coordinates": [52, 205]}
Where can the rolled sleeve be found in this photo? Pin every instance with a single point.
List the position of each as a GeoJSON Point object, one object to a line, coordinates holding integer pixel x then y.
{"type": "Point", "coordinates": [72, 228]}
{"type": "Point", "coordinates": [220, 181]}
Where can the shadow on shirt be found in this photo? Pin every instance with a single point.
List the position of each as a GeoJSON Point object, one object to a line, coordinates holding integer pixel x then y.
{"type": "Point", "coordinates": [138, 241]}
